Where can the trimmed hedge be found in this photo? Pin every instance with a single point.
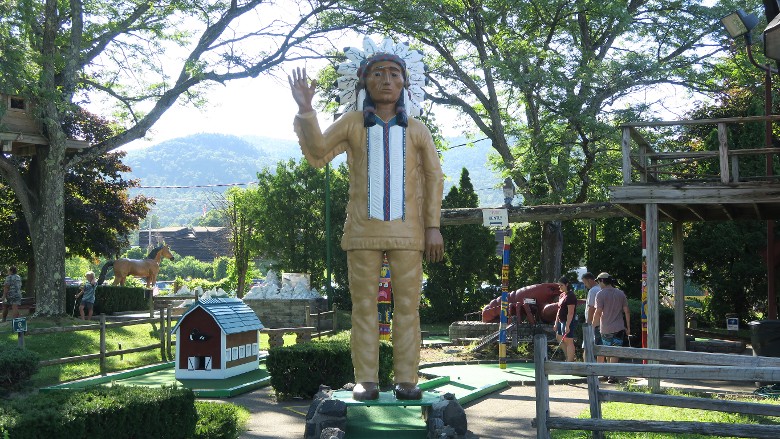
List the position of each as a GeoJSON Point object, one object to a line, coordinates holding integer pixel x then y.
{"type": "Point", "coordinates": [300, 369]}
{"type": "Point", "coordinates": [217, 420]}
{"type": "Point", "coordinates": [17, 366]}
{"type": "Point", "coordinates": [117, 412]}
{"type": "Point", "coordinates": [109, 299]}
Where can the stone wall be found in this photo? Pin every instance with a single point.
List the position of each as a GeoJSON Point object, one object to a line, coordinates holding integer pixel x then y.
{"type": "Point", "coordinates": [284, 313]}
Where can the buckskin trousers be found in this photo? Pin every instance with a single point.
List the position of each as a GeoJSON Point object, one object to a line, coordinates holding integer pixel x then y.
{"type": "Point", "coordinates": [406, 282]}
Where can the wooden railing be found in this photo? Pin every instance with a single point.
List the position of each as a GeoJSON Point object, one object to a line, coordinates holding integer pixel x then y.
{"type": "Point", "coordinates": [164, 345]}
{"type": "Point", "coordinates": [315, 319]}
{"type": "Point", "coordinates": [704, 366]}
{"type": "Point", "coordinates": [658, 166]}
{"type": "Point", "coordinates": [276, 335]}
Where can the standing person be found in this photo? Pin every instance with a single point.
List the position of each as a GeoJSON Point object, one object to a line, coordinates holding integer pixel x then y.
{"type": "Point", "coordinates": [590, 303]}
{"type": "Point", "coordinates": [564, 319]}
{"type": "Point", "coordinates": [12, 292]}
{"type": "Point", "coordinates": [610, 301]}
{"type": "Point", "coordinates": [87, 294]}
{"type": "Point", "coordinates": [395, 193]}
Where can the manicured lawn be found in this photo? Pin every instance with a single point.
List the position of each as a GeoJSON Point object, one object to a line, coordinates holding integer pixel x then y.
{"type": "Point", "coordinates": [619, 410]}
{"type": "Point", "coordinates": [73, 344]}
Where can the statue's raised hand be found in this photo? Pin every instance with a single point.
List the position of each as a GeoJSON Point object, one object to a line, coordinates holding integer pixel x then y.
{"type": "Point", "coordinates": [302, 91]}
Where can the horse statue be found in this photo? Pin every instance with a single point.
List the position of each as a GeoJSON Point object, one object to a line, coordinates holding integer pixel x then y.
{"type": "Point", "coordinates": [147, 268]}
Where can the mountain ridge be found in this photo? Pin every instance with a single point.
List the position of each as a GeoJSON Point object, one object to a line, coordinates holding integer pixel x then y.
{"type": "Point", "coordinates": [203, 165]}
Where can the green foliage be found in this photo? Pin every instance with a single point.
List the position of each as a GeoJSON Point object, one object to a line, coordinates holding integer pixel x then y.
{"type": "Point", "coordinates": [218, 420]}
{"type": "Point", "coordinates": [186, 267]}
{"type": "Point", "coordinates": [454, 285]}
{"type": "Point", "coordinates": [109, 299]}
{"type": "Point", "coordinates": [117, 412]}
{"type": "Point", "coordinates": [291, 207]}
{"type": "Point", "coordinates": [300, 369]}
{"type": "Point", "coordinates": [726, 258]}
{"type": "Point", "coordinates": [76, 267]}
{"type": "Point", "coordinates": [17, 366]}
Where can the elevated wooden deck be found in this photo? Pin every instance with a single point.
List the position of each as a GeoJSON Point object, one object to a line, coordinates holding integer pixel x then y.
{"type": "Point", "coordinates": [697, 185]}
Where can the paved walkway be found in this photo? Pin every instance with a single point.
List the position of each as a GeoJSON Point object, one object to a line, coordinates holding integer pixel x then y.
{"type": "Point", "coordinates": [504, 414]}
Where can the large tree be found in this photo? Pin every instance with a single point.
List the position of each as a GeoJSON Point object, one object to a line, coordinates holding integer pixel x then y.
{"type": "Point", "coordinates": [144, 56]}
{"type": "Point", "coordinates": [99, 213]}
{"type": "Point", "coordinates": [541, 79]}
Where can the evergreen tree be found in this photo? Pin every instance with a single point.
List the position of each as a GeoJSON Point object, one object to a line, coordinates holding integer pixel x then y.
{"type": "Point", "coordinates": [454, 285]}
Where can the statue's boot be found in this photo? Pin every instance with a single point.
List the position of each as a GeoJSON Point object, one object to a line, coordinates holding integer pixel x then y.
{"type": "Point", "coordinates": [407, 391]}
{"type": "Point", "coordinates": [365, 391]}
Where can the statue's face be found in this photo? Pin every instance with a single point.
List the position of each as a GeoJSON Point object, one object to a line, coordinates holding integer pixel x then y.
{"type": "Point", "coordinates": [384, 82]}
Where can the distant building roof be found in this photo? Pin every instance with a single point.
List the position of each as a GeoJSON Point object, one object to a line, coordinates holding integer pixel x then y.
{"type": "Point", "coordinates": [202, 243]}
{"type": "Point", "coordinates": [232, 315]}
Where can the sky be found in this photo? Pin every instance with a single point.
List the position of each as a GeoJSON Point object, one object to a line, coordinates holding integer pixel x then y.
{"type": "Point", "coordinates": [261, 106]}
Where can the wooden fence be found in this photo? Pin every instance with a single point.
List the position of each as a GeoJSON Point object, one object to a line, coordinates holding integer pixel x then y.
{"type": "Point", "coordinates": [275, 335]}
{"type": "Point", "coordinates": [695, 366]}
{"type": "Point", "coordinates": [316, 319]}
{"type": "Point", "coordinates": [164, 320]}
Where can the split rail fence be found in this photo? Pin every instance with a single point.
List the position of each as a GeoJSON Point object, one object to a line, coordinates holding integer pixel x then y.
{"type": "Point", "coordinates": [164, 320]}
{"type": "Point", "coordinates": [692, 366]}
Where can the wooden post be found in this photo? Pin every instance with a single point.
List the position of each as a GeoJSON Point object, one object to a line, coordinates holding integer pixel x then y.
{"type": "Point", "coordinates": [335, 325]}
{"type": "Point", "coordinates": [542, 389]}
{"type": "Point", "coordinates": [319, 328]}
{"type": "Point", "coordinates": [653, 338]}
{"type": "Point", "coordinates": [20, 335]}
{"type": "Point", "coordinates": [162, 335]}
{"type": "Point", "coordinates": [168, 330]}
{"type": "Point", "coordinates": [626, 147]}
{"type": "Point", "coordinates": [307, 319]}
{"type": "Point", "coordinates": [593, 380]}
{"type": "Point", "coordinates": [678, 264]}
{"type": "Point", "coordinates": [723, 153]}
{"type": "Point", "coordinates": [103, 344]}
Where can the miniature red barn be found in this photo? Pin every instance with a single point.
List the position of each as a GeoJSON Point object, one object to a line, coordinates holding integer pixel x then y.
{"type": "Point", "coordinates": [216, 338]}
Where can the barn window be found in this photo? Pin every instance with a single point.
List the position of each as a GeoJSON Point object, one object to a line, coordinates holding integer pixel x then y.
{"type": "Point", "coordinates": [17, 104]}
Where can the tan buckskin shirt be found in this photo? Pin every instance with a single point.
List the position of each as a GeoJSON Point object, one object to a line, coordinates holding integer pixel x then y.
{"type": "Point", "coordinates": [423, 184]}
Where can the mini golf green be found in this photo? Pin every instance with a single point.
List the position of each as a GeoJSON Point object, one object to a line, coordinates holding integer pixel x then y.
{"type": "Point", "coordinates": [164, 374]}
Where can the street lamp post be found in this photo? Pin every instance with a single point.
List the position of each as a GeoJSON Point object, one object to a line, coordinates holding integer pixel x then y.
{"type": "Point", "coordinates": [738, 24]}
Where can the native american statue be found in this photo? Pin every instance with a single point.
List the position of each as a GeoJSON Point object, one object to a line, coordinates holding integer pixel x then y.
{"type": "Point", "coordinates": [395, 187]}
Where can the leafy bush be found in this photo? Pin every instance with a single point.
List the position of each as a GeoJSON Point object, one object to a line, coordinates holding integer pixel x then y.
{"type": "Point", "coordinates": [110, 299]}
{"type": "Point", "coordinates": [117, 412]}
{"type": "Point", "coordinates": [300, 369]}
{"type": "Point", "coordinates": [17, 366]}
{"type": "Point", "coordinates": [217, 420]}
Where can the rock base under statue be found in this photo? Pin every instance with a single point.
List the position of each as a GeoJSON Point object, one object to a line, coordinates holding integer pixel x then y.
{"type": "Point", "coordinates": [327, 417]}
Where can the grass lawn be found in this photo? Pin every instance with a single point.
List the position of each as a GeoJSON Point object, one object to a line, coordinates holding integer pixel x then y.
{"type": "Point", "coordinates": [73, 344]}
{"type": "Point", "coordinates": [620, 410]}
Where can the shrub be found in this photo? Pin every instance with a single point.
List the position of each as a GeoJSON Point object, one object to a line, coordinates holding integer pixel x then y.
{"type": "Point", "coordinates": [298, 370]}
{"type": "Point", "coordinates": [110, 299]}
{"type": "Point", "coordinates": [17, 366]}
{"type": "Point", "coordinates": [218, 420]}
{"type": "Point", "coordinates": [117, 412]}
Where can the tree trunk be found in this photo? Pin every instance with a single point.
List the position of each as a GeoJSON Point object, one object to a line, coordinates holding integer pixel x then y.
{"type": "Point", "coordinates": [552, 250]}
{"type": "Point", "coordinates": [47, 229]}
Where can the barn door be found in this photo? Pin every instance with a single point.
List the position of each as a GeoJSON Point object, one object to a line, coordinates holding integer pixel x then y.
{"type": "Point", "coordinates": [192, 363]}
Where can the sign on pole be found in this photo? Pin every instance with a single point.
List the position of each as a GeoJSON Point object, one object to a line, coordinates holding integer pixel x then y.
{"type": "Point", "coordinates": [499, 219]}
{"type": "Point", "coordinates": [20, 324]}
{"type": "Point", "coordinates": [495, 218]}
